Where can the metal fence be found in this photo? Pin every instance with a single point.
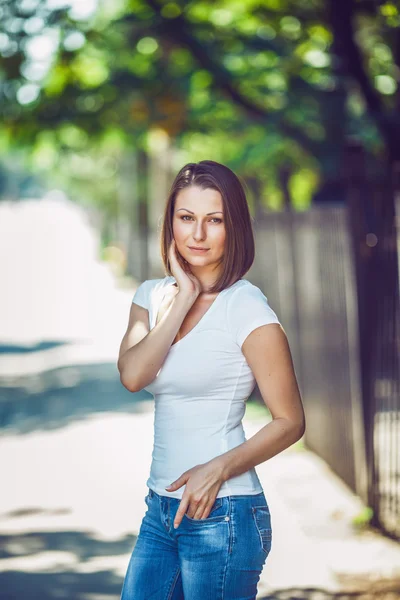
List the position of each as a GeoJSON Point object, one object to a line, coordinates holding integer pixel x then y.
{"type": "Point", "coordinates": [334, 282]}
{"type": "Point", "coordinates": [374, 220]}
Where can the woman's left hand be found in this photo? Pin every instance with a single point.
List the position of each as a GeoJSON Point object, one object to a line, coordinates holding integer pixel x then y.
{"type": "Point", "coordinates": [202, 486]}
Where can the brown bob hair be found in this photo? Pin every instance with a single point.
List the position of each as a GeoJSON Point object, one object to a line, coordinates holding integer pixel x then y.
{"type": "Point", "coordinates": [239, 242]}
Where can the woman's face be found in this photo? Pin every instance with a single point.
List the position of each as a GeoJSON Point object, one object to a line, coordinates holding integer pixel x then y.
{"type": "Point", "coordinates": [198, 221]}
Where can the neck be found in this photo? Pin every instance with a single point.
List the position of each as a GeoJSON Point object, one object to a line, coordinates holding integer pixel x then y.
{"type": "Point", "coordinates": [207, 278]}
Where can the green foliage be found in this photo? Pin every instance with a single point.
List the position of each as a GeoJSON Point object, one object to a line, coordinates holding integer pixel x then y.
{"type": "Point", "coordinates": [302, 184]}
{"type": "Point", "coordinates": [363, 519]}
{"type": "Point", "coordinates": [253, 84]}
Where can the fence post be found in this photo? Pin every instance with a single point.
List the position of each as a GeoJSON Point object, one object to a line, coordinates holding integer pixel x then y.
{"type": "Point", "coordinates": [372, 223]}
{"type": "Point", "coordinates": [357, 198]}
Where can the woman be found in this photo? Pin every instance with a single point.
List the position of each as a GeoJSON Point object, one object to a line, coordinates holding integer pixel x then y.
{"type": "Point", "coordinates": [198, 340]}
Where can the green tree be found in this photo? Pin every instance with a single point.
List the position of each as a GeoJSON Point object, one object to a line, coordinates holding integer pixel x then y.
{"type": "Point", "coordinates": [283, 81]}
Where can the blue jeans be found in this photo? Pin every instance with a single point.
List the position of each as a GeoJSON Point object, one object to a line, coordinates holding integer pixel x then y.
{"type": "Point", "coordinates": [217, 558]}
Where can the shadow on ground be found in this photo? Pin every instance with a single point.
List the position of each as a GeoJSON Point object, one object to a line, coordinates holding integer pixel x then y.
{"type": "Point", "coordinates": [61, 582]}
{"type": "Point", "coordinates": [74, 574]}
{"type": "Point", "coordinates": [54, 398]}
{"type": "Point", "coordinates": [84, 567]}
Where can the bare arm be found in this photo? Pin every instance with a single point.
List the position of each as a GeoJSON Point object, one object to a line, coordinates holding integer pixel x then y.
{"type": "Point", "coordinates": [142, 352]}
{"type": "Point", "coordinates": [268, 354]}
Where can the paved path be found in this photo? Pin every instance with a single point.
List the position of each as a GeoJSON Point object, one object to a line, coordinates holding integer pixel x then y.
{"type": "Point", "coordinates": [76, 448]}
{"type": "Point", "coordinates": [72, 503]}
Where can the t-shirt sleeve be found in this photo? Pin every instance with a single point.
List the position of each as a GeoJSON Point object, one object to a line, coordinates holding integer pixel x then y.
{"type": "Point", "coordinates": [141, 296]}
{"type": "Point", "coordinates": [249, 309]}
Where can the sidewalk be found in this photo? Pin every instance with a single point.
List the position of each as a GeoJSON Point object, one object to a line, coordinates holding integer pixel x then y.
{"type": "Point", "coordinates": [314, 542]}
{"type": "Point", "coordinates": [73, 499]}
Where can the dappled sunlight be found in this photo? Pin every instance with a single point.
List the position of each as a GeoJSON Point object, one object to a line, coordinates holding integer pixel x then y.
{"type": "Point", "coordinates": [101, 102]}
{"type": "Point", "coordinates": [71, 516]}
{"type": "Point", "coordinates": [68, 564]}
{"type": "Point", "coordinates": [87, 475]}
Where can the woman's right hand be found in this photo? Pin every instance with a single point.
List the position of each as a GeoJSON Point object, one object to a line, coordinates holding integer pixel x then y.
{"type": "Point", "coordinates": [188, 284]}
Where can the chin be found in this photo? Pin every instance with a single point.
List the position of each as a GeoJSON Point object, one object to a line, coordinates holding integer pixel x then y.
{"type": "Point", "coordinates": [197, 261]}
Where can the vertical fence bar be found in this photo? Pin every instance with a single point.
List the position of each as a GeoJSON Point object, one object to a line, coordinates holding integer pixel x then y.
{"type": "Point", "coordinates": [372, 221]}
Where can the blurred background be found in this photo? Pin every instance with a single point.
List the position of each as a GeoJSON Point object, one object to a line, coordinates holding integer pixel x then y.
{"type": "Point", "coordinates": [102, 102]}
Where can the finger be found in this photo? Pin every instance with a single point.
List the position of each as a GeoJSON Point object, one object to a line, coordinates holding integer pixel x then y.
{"type": "Point", "coordinates": [172, 247]}
{"type": "Point", "coordinates": [202, 512]}
{"type": "Point", "coordinates": [173, 254]}
{"type": "Point", "coordinates": [177, 261]}
{"type": "Point", "coordinates": [195, 510]}
{"type": "Point", "coordinates": [180, 512]}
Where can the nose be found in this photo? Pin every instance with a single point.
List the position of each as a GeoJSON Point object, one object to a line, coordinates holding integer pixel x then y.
{"type": "Point", "coordinates": [199, 232]}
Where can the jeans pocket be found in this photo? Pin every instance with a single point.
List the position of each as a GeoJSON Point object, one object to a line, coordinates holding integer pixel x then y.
{"type": "Point", "coordinates": [218, 512]}
{"type": "Point", "coordinates": [262, 520]}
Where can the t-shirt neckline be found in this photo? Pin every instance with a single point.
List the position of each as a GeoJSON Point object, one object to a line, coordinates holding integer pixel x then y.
{"type": "Point", "coordinates": [212, 306]}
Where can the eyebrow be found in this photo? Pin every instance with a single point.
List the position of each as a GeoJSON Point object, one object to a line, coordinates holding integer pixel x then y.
{"type": "Point", "coordinates": [192, 213]}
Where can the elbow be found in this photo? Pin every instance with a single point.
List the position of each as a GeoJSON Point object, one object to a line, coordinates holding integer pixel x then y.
{"type": "Point", "coordinates": [296, 430]}
{"type": "Point", "coordinates": [301, 429]}
{"type": "Point", "coordinates": [133, 382]}
{"type": "Point", "coordinates": [129, 384]}
{"type": "Point", "coordinates": [127, 380]}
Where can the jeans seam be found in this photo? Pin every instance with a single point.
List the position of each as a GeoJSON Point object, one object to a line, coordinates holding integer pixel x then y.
{"type": "Point", "coordinates": [171, 591]}
{"type": "Point", "coordinates": [268, 532]}
{"type": "Point", "coordinates": [231, 525]}
{"type": "Point", "coordinates": [228, 555]}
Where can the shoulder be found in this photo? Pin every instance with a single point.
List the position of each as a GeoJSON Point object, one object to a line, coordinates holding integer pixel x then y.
{"type": "Point", "coordinates": [245, 290]}
{"type": "Point", "coordinates": [247, 295]}
{"type": "Point", "coordinates": [156, 283]}
{"type": "Point", "coordinates": [249, 288]}
{"type": "Point", "coordinates": [147, 289]}
{"type": "Point", "coordinates": [248, 308]}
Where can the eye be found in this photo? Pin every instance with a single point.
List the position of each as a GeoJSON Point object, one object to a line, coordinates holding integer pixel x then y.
{"type": "Point", "coordinates": [215, 219]}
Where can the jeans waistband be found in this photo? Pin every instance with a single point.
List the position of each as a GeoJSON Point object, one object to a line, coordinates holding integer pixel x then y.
{"type": "Point", "coordinates": [260, 494]}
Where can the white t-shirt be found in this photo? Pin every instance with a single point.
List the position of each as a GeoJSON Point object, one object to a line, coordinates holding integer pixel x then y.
{"type": "Point", "coordinates": [201, 389]}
